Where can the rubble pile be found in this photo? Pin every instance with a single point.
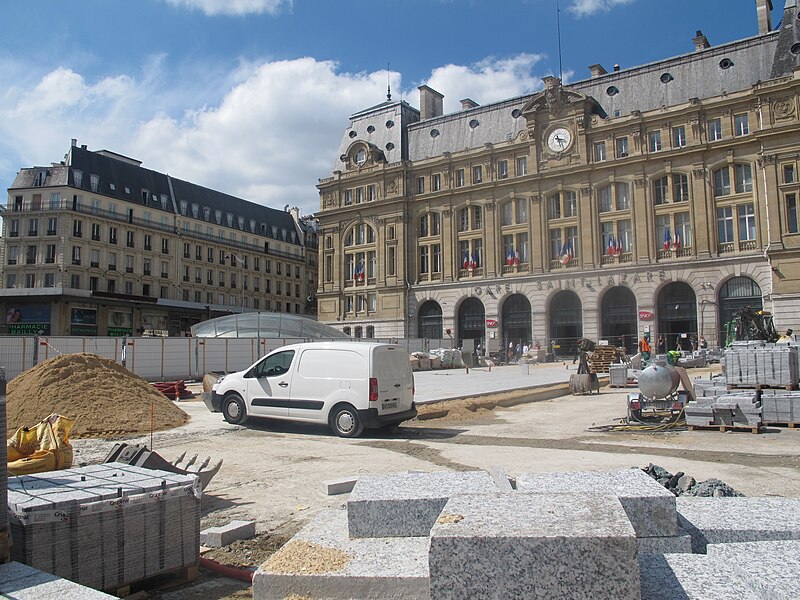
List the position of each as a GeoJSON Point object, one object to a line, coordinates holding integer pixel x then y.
{"type": "Point", "coordinates": [681, 484]}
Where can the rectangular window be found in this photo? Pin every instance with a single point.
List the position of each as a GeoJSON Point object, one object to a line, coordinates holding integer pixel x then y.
{"type": "Point", "coordinates": [391, 261]}
{"type": "Point", "coordinates": [791, 213]}
{"type": "Point", "coordinates": [722, 182]}
{"type": "Point", "coordinates": [436, 182]}
{"type": "Point", "coordinates": [714, 130]}
{"type": "Point", "coordinates": [623, 196]}
{"type": "Point", "coordinates": [424, 259]}
{"type": "Point", "coordinates": [622, 147]}
{"type": "Point", "coordinates": [131, 243]}
{"type": "Point", "coordinates": [664, 232]}
{"type": "Point", "coordinates": [11, 280]}
{"type": "Point", "coordinates": [348, 197]}
{"type": "Point", "coordinates": [521, 211]}
{"type": "Point", "coordinates": [77, 228]}
{"type": "Point", "coordinates": [359, 195]}
{"type": "Point", "coordinates": [30, 280]}
{"type": "Point", "coordinates": [555, 244]}
{"type": "Point", "coordinates": [725, 224]}
{"type": "Point", "coordinates": [654, 141]}
{"type": "Point", "coordinates": [459, 177]}
{"type": "Point", "coordinates": [96, 232]}
{"type": "Point", "coordinates": [743, 178]}
{"type": "Point", "coordinates": [740, 124]}
{"type": "Point", "coordinates": [76, 255]}
{"type": "Point", "coordinates": [680, 187]}
{"type": "Point", "coordinates": [477, 221]}
{"type": "Point", "coordinates": [502, 169]}
{"type": "Point", "coordinates": [30, 255]}
{"type": "Point", "coordinates": [522, 166]}
{"type": "Point", "coordinates": [94, 181]}
{"type": "Point", "coordinates": [420, 185]}
{"type": "Point", "coordinates": [477, 174]}
{"type": "Point", "coordinates": [599, 152]}
{"type": "Point", "coordinates": [625, 235]}
{"type": "Point", "coordinates": [747, 222]}
{"type": "Point", "coordinates": [370, 193]}
{"type": "Point", "coordinates": [678, 137]}
{"type": "Point", "coordinates": [788, 173]}
{"type": "Point", "coordinates": [604, 198]}
{"type": "Point", "coordinates": [33, 227]}
{"type": "Point", "coordinates": [112, 235]}
{"type": "Point", "coordinates": [570, 204]}
{"type": "Point", "coordinates": [661, 190]}
{"type": "Point", "coordinates": [52, 226]}
{"type": "Point", "coordinates": [683, 228]}
{"type": "Point", "coordinates": [50, 254]}
{"type": "Point", "coordinates": [164, 246]}
{"type": "Point", "coordinates": [554, 206]}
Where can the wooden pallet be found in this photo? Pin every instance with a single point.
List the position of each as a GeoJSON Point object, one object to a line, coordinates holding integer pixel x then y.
{"type": "Point", "coordinates": [171, 579]}
{"type": "Point", "coordinates": [782, 424]}
{"type": "Point", "coordinates": [760, 386]}
{"type": "Point", "coordinates": [724, 428]}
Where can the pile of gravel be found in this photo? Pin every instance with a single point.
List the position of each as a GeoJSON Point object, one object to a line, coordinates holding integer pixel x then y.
{"type": "Point", "coordinates": [681, 484]}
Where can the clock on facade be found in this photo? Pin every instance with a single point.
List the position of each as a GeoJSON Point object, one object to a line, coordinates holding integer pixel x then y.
{"type": "Point", "coordinates": [559, 139]}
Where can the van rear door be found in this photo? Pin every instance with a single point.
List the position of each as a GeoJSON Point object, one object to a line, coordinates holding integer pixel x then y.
{"type": "Point", "coordinates": [392, 369]}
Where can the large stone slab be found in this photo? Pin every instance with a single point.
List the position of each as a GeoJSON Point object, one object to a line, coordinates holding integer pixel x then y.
{"type": "Point", "coordinates": [387, 568]}
{"type": "Point", "coordinates": [728, 520]}
{"type": "Point", "coordinates": [407, 504]}
{"type": "Point", "coordinates": [535, 547]}
{"type": "Point", "coordinates": [770, 568]}
{"type": "Point", "coordinates": [649, 505]}
{"type": "Point", "coordinates": [21, 582]}
{"type": "Point", "coordinates": [691, 577]}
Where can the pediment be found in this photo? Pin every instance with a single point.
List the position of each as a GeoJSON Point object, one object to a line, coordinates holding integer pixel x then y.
{"type": "Point", "coordinates": [362, 154]}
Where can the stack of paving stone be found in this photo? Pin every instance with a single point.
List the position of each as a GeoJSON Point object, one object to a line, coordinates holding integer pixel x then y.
{"type": "Point", "coordinates": [752, 364]}
{"type": "Point", "coordinates": [616, 534]}
{"type": "Point", "coordinates": [780, 406]}
{"type": "Point", "coordinates": [739, 409]}
{"type": "Point", "coordinates": [107, 525]}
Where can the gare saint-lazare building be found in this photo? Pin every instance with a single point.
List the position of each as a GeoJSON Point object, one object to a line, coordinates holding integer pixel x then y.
{"type": "Point", "coordinates": [660, 198]}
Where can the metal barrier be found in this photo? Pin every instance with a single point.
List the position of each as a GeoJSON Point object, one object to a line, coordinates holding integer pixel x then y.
{"type": "Point", "coordinates": [154, 358]}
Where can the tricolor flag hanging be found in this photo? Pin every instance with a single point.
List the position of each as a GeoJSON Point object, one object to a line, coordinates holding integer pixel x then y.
{"type": "Point", "coordinates": [465, 262]}
{"type": "Point", "coordinates": [359, 274]}
{"type": "Point", "coordinates": [510, 257]}
{"type": "Point", "coordinates": [667, 239]}
{"type": "Point", "coordinates": [611, 250]}
{"type": "Point", "coordinates": [475, 262]}
{"type": "Point", "coordinates": [676, 243]}
{"type": "Point", "coordinates": [566, 253]}
{"type": "Point", "coordinates": [516, 259]}
{"type": "Point", "coordinates": [619, 247]}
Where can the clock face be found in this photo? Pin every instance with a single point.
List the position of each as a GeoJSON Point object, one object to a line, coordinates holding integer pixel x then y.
{"type": "Point", "coordinates": [559, 139]}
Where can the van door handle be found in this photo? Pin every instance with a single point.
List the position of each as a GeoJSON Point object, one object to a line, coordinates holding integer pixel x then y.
{"type": "Point", "coordinates": [397, 385]}
{"type": "Point", "coordinates": [283, 384]}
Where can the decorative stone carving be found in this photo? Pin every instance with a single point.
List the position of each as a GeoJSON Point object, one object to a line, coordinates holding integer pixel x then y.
{"type": "Point", "coordinates": [447, 213]}
{"type": "Point", "coordinates": [783, 108]}
{"type": "Point", "coordinates": [639, 182]}
{"type": "Point", "coordinates": [586, 192]}
{"type": "Point", "coordinates": [391, 187]}
{"type": "Point", "coordinates": [698, 173]}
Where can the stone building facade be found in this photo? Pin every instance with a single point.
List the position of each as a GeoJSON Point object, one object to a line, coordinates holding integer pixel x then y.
{"type": "Point", "coordinates": [97, 245]}
{"type": "Point", "coordinates": [656, 199]}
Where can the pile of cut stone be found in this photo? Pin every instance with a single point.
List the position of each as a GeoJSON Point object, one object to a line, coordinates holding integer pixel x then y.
{"type": "Point", "coordinates": [440, 358]}
{"type": "Point", "coordinates": [756, 363]}
{"type": "Point", "coordinates": [715, 405]}
{"type": "Point", "coordinates": [681, 484]}
{"type": "Point", "coordinates": [615, 534]}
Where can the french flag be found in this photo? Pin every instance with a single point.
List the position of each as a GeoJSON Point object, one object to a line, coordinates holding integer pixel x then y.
{"type": "Point", "coordinates": [510, 258]}
{"type": "Point", "coordinates": [566, 253]}
{"type": "Point", "coordinates": [676, 243]}
{"type": "Point", "coordinates": [359, 275]}
{"type": "Point", "coordinates": [667, 239]}
{"type": "Point", "coordinates": [474, 263]}
{"type": "Point", "coordinates": [516, 259]}
{"type": "Point", "coordinates": [612, 246]}
{"type": "Point", "coordinates": [619, 248]}
{"type": "Point", "coordinates": [466, 260]}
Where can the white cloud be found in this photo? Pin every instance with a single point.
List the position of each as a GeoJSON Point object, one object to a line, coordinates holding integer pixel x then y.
{"type": "Point", "coordinates": [584, 8]}
{"type": "Point", "coordinates": [486, 81]}
{"type": "Point", "coordinates": [266, 131]}
{"type": "Point", "coordinates": [234, 7]}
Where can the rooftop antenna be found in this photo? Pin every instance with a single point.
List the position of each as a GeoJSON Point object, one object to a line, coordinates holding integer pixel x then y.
{"type": "Point", "coordinates": [558, 28]}
{"type": "Point", "coordinates": [388, 84]}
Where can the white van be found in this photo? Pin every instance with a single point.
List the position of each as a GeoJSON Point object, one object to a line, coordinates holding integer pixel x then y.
{"type": "Point", "coordinates": [347, 385]}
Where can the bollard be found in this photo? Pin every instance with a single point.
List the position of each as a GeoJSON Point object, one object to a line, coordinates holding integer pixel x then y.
{"type": "Point", "coordinates": [467, 368]}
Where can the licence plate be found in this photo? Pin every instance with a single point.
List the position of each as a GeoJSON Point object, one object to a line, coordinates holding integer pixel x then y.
{"type": "Point", "coordinates": [389, 405]}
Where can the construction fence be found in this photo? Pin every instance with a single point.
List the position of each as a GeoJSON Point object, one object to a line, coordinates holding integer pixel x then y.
{"type": "Point", "coordinates": [156, 358]}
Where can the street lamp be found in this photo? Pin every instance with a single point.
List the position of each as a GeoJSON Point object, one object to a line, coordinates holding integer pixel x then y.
{"type": "Point", "coordinates": [234, 257]}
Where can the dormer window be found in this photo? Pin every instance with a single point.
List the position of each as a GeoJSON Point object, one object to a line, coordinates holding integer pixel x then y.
{"type": "Point", "coordinates": [361, 157]}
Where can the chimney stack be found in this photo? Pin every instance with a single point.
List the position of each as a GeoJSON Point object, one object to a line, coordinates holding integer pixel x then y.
{"type": "Point", "coordinates": [597, 70]}
{"type": "Point", "coordinates": [430, 103]}
{"type": "Point", "coordinates": [468, 103]}
{"type": "Point", "coordinates": [764, 10]}
{"type": "Point", "coordinates": [700, 42]}
{"type": "Point", "coordinates": [74, 142]}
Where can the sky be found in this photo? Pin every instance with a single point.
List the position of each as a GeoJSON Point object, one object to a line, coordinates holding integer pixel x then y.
{"type": "Point", "coordinates": [252, 97]}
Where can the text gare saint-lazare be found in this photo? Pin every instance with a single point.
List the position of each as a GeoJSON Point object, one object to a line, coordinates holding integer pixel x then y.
{"type": "Point", "coordinates": [574, 283]}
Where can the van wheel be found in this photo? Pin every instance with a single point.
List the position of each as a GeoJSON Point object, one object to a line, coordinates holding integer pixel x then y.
{"type": "Point", "coordinates": [345, 421]}
{"type": "Point", "coordinates": [233, 409]}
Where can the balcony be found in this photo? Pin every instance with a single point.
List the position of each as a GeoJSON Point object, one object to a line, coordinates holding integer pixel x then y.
{"type": "Point", "coordinates": [94, 264]}
{"type": "Point", "coordinates": [556, 265]}
{"type": "Point", "coordinates": [129, 269]}
{"type": "Point", "coordinates": [476, 272]}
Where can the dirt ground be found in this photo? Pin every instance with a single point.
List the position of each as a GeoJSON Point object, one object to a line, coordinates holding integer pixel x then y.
{"type": "Point", "coordinates": [273, 471]}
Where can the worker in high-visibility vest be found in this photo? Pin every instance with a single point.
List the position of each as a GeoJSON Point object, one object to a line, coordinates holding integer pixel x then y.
{"type": "Point", "coordinates": [644, 347]}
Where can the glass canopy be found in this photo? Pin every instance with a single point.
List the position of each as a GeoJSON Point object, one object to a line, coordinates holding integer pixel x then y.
{"type": "Point", "coordinates": [265, 325]}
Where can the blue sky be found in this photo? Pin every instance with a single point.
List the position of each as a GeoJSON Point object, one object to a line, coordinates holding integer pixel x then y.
{"type": "Point", "coordinates": [251, 97]}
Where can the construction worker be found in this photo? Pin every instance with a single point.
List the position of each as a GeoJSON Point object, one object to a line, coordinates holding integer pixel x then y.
{"type": "Point", "coordinates": [644, 347]}
{"type": "Point", "coordinates": [786, 337]}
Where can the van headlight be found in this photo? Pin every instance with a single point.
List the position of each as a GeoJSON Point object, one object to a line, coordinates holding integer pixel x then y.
{"type": "Point", "coordinates": [219, 380]}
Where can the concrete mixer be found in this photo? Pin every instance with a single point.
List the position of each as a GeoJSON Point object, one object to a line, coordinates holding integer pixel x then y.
{"type": "Point", "coordinates": [658, 394]}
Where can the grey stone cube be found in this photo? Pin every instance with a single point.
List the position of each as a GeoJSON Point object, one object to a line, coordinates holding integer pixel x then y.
{"type": "Point", "coordinates": [535, 547]}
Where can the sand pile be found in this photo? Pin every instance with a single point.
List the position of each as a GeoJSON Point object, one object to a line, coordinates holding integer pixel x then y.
{"type": "Point", "coordinates": [103, 397]}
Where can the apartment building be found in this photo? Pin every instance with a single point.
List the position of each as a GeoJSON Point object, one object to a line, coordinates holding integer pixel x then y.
{"type": "Point", "coordinates": [97, 245]}
{"type": "Point", "coordinates": [655, 199]}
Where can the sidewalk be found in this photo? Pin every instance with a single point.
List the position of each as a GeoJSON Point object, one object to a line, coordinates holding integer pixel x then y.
{"type": "Point", "coordinates": [446, 384]}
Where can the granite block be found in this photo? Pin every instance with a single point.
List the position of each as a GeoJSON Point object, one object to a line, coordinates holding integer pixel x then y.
{"type": "Point", "coordinates": [770, 568]}
{"type": "Point", "coordinates": [728, 520]}
{"type": "Point", "coordinates": [22, 582]}
{"type": "Point", "coordinates": [408, 504]}
{"type": "Point", "coordinates": [649, 505]}
{"type": "Point", "coordinates": [533, 546]}
{"type": "Point", "coordinates": [675, 544]}
{"type": "Point", "coordinates": [334, 487]}
{"type": "Point", "coordinates": [387, 568]}
{"type": "Point", "coordinates": [217, 537]}
{"type": "Point", "coordinates": [690, 577]}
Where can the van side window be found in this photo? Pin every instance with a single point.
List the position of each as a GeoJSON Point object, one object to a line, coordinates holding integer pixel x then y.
{"type": "Point", "coordinates": [274, 365]}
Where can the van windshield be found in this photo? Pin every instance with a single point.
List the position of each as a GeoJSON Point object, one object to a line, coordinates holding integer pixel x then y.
{"type": "Point", "coordinates": [275, 364]}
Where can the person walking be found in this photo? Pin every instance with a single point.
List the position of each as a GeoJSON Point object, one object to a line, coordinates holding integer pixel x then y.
{"type": "Point", "coordinates": [662, 345]}
{"type": "Point", "coordinates": [644, 347]}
